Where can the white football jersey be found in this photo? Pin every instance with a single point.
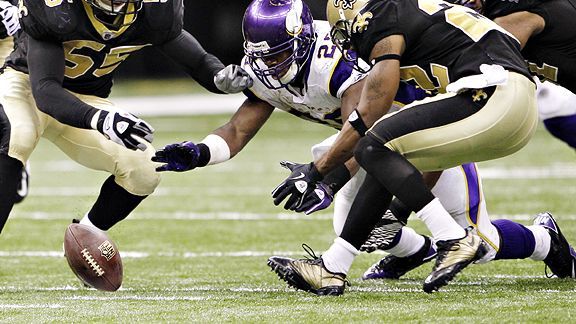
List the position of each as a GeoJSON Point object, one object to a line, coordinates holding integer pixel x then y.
{"type": "Point", "coordinates": [327, 78]}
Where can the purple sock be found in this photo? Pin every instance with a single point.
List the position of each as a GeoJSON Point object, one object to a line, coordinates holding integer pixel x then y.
{"type": "Point", "coordinates": [563, 128]}
{"type": "Point", "coordinates": [516, 241]}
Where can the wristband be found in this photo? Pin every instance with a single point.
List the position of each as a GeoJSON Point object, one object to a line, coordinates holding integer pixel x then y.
{"type": "Point", "coordinates": [356, 121]}
{"type": "Point", "coordinates": [218, 150]}
{"type": "Point", "coordinates": [337, 178]}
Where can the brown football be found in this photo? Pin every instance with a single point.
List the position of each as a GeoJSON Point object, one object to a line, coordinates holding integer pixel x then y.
{"type": "Point", "coordinates": [93, 257]}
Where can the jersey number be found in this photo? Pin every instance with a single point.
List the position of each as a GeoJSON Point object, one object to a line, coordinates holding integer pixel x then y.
{"type": "Point", "coordinates": [547, 72]}
{"type": "Point", "coordinates": [80, 57]}
{"type": "Point", "coordinates": [418, 75]}
{"type": "Point", "coordinates": [471, 23]}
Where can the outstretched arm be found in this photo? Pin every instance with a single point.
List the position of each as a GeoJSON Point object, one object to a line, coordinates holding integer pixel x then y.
{"type": "Point", "coordinates": [223, 144]}
{"type": "Point", "coordinates": [204, 67]}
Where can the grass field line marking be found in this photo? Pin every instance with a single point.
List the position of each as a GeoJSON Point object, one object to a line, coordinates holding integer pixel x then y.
{"type": "Point", "coordinates": [142, 298]}
{"type": "Point", "coordinates": [557, 171]}
{"type": "Point", "coordinates": [183, 215]}
{"type": "Point", "coordinates": [142, 255]}
{"type": "Point", "coordinates": [18, 306]}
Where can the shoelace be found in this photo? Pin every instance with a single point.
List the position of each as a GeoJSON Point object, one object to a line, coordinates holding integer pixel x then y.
{"type": "Point", "coordinates": [313, 258]}
{"type": "Point", "coordinates": [311, 255]}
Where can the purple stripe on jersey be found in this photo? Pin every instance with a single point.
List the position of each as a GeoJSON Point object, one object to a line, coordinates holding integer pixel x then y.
{"type": "Point", "coordinates": [341, 73]}
{"type": "Point", "coordinates": [473, 184]}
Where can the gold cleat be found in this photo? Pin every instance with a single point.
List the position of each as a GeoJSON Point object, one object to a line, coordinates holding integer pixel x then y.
{"type": "Point", "coordinates": [453, 256]}
{"type": "Point", "coordinates": [309, 275]}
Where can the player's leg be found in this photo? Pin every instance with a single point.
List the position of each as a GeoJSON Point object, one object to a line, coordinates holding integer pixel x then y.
{"type": "Point", "coordinates": [500, 120]}
{"type": "Point", "coordinates": [20, 129]}
{"type": "Point", "coordinates": [557, 109]}
{"type": "Point", "coordinates": [24, 183]}
{"type": "Point", "coordinates": [133, 175]}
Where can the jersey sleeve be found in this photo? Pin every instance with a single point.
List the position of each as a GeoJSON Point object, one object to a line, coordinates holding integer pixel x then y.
{"type": "Point", "coordinates": [375, 22]}
{"type": "Point", "coordinates": [343, 77]}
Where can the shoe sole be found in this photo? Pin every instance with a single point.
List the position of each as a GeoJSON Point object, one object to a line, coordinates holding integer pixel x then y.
{"type": "Point", "coordinates": [294, 280]}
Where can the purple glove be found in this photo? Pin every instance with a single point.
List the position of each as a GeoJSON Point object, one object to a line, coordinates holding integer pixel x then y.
{"type": "Point", "coordinates": [177, 157]}
{"type": "Point", "coordinates": [314, 200]}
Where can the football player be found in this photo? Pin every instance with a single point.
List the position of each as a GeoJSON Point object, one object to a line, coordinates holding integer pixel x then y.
{"type": "Point", "coordinates": [547, 43]}
{"type": "Point", "coordinates": [56, 82]}
{"type": "Point", "coordinates": [485, 108]}
{"type": "Point", "coordinates": [8, 28]}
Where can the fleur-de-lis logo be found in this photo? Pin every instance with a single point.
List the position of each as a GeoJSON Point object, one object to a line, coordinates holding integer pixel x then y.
{"type": "Point", "coordinates": [346, 4]}
{"type": "Point", "coordinates": [361, 22]}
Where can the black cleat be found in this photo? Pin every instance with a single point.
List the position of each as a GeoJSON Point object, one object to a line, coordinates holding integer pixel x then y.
{"type": "Point", "coordinates": [393, 267]}
{"type": "Point", "coordinates": [453, 256]}
{"type": "Point", "coordinates": [561, 258]}
{"type": "Point", "coordinates": [309, 275]}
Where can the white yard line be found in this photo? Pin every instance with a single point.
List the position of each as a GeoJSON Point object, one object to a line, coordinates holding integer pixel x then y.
{"type": "Point", "coordinates": [142, 255]}
{"type": "Point", "coordinates": [179, 105]}
{"type": "Point", "coordinates": [219, 216]}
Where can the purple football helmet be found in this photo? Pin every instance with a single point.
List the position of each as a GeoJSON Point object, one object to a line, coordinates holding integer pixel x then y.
{"type": "Point", "coordinates": [278, 37]}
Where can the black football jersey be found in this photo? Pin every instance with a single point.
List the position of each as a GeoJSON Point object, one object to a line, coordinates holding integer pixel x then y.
{"type": "Point", "coordinates": [551, 54]}
{"type": "Point", "coordinates": [444, 42]}
{"type": "Point", "coordinates": [92, 51]}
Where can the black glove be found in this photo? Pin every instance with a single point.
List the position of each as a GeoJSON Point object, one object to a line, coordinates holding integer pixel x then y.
{"type": "Point", "coordinates": [177, 157]}
{"type": "Point", "coordinates": [303, 178]}
{"type": "Point", "coordinates": [123, 128]}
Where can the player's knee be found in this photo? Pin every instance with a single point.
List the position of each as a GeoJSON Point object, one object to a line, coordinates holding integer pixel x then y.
{"type": "Point", "coordinates": [138, 175]}
{"type": "Point", "coordinates": [22, 141]}
{"type": "Point", "coordinates": [365, 149]}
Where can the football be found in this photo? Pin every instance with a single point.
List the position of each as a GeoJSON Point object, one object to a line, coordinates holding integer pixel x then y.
{"type": "Point", "coordinates": [93, 257]}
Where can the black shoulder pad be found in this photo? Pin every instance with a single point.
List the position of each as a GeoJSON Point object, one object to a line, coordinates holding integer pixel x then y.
{"type": "Point", "coordinates": [42, 21]}
{"type": "Point", "coordinates": [164, 15]}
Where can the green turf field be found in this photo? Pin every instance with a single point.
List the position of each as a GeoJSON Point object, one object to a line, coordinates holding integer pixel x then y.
{"type": "Point", "coordinates": [196, 251]}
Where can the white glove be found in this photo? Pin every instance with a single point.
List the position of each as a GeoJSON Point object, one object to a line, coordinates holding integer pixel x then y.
{"type": "Point", "coordinates": [124, 128]}
{"type": "Point", "coordinates": [9, 17]}
{"type": "Point", "coordinates": [232, 79]}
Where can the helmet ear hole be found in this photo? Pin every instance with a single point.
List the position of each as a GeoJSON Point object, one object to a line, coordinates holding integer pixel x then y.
{"type": "Point", "coordinates": [273, 28]}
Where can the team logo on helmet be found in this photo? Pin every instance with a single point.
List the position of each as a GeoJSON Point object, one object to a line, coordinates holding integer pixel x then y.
{"type": "Point", "coordinates": [346, 4]}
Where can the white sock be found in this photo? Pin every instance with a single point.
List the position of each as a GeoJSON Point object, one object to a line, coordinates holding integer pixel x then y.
{"type": "Point", "coordinates": [339, 256]}
{"type": "Point", "coordinates": [439, 222]}
{"type": "Point", "coordinates": [86, 221]}
{"type": "Point", "coordinates": [542, 238]}
{"type": "Point", "coordinates": [410, 242]}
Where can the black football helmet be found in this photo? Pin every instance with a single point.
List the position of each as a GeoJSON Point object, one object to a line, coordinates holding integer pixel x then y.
{"type": "Point", "coordinates": [112, 12]}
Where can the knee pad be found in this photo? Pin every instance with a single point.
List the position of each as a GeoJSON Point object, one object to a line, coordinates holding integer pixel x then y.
{"type": "Point", "coordinates": [18, 138]}
{"type": "Point", "coordinates": [365, 147]}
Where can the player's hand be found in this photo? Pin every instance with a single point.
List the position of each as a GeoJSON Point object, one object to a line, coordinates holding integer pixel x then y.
{"type": "Point", "coordinates": [9, 18]}
{"type": "Point", "coordinates": [314, 200]}
{"type": "Point", "coordinates": [125, 129]}
{"type": "Point", "coordinates": [232, 79]}
{"type": "Point", "coordinates": [303, 178]}
{"type": "Point", "coordinates": [177, 157]}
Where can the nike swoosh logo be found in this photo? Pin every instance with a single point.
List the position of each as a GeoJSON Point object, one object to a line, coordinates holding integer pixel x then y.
{"type": "Point", "coordinates": [298, 177]}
